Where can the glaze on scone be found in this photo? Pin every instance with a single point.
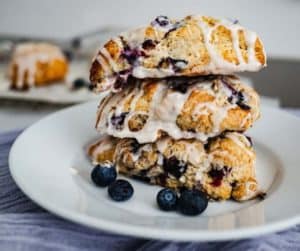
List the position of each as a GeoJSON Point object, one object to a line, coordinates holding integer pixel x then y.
{"type": "Point", "coordinates": [200, 108]}
{"type": "Point", "coordinates": [36, 64]}
{"type": "Point", "coordinates": [195, 45]}
{"type": "Point", "coordinates": [223, 168]}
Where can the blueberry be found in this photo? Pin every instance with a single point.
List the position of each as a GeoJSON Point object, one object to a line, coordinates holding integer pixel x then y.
{"type": "Point", "coordinates": [120, 190]}
{"type": "Point", "coordinates": [167, 199]}
{"type": "Point", "coordinates": [122, 79]}
{"type": "Point", "coordinates": [243, 106]}
{"type": "Point", "coordinates": [217, 176]}
{"type": "Point", "coordinates": [104, 174]}
{"type": "Point", "coordinates": [79, 83]}
{"type": "Point", "coordinates": [131, 55]}
{"type": "Point", "coordinates": [178, 84]}
{"type": "Point", "coordinates": [192, 202]}
{"type": "Point", "coordinates": [161, 21]}
{"type": "Point", "coordinates": [118, 120]}
{"type": "Point", "coordinates": [148, 44]}
{"type": "Point", "coordinates": [76, 43]}
{"type": "Point", "coordinates": [68, 54]}
{"type": "Point", "coordinates": [91, 87]}
{"type": "Point", "coordinates": [135, 146]}
{"type": "Point", "coordinates": [174, 166]}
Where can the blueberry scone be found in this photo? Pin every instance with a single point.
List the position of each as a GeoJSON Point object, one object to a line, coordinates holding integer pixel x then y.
{"type": "Point", "coordinates": [176, 112]}
{"type": "Point", "coordinates": [198, 107]}
{"type": "Point", "coordinates": [223, 168]}
{"type": "Point", "coordinates": [36, 64]}
{"type": "Point", "coordinates": [196, 45]}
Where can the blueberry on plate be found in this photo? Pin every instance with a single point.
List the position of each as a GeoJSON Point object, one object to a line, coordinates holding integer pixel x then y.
{"type": "Point", "coordinates": [78, 83]}
{"type": "Point", "coordinates": [192, 202]}
{"type": "Point", "coordinates": [120, 190]}
{"type": "Point", "coordinates": [167, 199]}
{"type": "Point", "coordinates": [104, 174]}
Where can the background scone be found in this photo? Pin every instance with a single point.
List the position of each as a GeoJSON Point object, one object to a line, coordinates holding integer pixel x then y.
{"type": "Point", "coordinates": [199, 107]}
{"type": "Point", "coordinates": [223, 168]}
{"type": "Point", "coordinates": [36, 64]}
{"type": "Point", "coordinates": [195, 45]}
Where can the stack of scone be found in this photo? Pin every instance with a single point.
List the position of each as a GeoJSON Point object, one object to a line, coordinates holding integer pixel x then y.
{"type": "Point", "coordinates": [175, 115]}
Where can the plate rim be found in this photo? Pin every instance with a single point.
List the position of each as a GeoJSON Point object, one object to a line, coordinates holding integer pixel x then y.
{"type": "Point", "coordinates": [148, 232]}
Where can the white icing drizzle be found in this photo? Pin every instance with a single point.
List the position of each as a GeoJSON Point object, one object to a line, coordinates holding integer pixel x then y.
{"type": "Point", "coordinates": [100, 146]}
{"type": "Point", "coordinates": [27, 55]}
{"type": "Point", "coordinates": [241, 141]}
{"type": "Point", "coordinates": [164, 109]}
{"type": "Point", "coordinates": [217, 64]}
{"type": "Point", "coordinates": [250, 193]}
{"type": "Point", "coordinates": [108, 57]}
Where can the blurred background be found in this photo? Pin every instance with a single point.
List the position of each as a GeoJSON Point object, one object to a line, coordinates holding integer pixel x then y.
{"type": "Point", "coordinates": [276, 21]}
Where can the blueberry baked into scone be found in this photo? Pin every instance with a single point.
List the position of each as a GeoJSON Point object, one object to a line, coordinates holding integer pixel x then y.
{"type": "Point", "coordinates": [176, 113]}
{"type": "Point", "coordinates": [222, 168]}
{"type": "Point", "coordinates": [36, 64]}
{"type": "Point", "coordinates": [193, 46]}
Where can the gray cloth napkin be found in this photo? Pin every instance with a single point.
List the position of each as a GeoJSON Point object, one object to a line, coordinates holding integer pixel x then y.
{"type": "Point", "coordinates": [25, 226]}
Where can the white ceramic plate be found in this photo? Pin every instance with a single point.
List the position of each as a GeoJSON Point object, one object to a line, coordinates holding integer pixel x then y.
{"type": "Point", "coordinates": [49, 164]}
{"type": "Point", "coordinates": [58, 93]}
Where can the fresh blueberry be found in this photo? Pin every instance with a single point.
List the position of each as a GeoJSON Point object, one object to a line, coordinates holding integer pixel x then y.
{"type": "Point", "coordinates": [192, 202]}
{"type": "Point", "coordinates": [76, 43]}
{"type": "Point", "coordinates": [120, 190]}
{"type": "Point", "coordinates": [167, 199]}
{"type": "Point", "coordinates": [68, 54]}
{"type": "Point", "coordinates": [104, 174]}
{"type": "Point", "coordinates": [79, 83]}
{"type": "Point", "coordinates": [91, 87]}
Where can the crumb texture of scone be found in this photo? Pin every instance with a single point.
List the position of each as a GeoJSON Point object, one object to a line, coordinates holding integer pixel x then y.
{"type": "Point", "coordinates": [183, 108]}
{"type": "Point", "coordinates": [223, 168]}
{"type": "Point", "coordinates": [36, 64]}
{"type": "Point", "coordinates": [195, 45]}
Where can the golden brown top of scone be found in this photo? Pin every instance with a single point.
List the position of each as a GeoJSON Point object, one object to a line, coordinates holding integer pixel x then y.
{"type": "Point", "coordinates": [199, 107]}
{"type": "Point", "coordinates": [195, 45]}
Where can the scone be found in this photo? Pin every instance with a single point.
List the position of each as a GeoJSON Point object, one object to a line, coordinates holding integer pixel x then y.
{"type": "Point", "coordinates": [36, 64]}
{"type": "Point", "coordinates": [198, 107]}
{"type": "Point", "coordinates": [195, 45]}
{"type": "Point", "coordinates": [223, 168]}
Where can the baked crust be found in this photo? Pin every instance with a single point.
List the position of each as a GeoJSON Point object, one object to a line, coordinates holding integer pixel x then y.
{"type": "Point", "coordinates": [223, 168]}
{"type": "Point", "coordinates": [182, 108]}
{"type": "Point", "coordinates": [195, 45]}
